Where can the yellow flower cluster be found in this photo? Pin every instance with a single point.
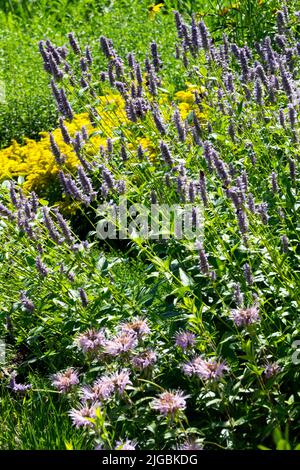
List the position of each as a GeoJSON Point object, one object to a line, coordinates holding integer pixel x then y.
{"type": "Point", "coordinates": [34, 160]}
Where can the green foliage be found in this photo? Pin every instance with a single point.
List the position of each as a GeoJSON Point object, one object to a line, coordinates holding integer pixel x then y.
{"type": "Point", "coordinates": [173, 284]}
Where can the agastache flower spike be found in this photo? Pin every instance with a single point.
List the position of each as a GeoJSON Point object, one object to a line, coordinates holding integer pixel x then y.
{"type": "Point", "coordinates": [55, 150]}
{"type": "Point", "coordinates": [202, 187]}
{"type": "Point", "coordinates": [74, 44]}
{"type": "Point", "coordinates": [166, 154]}
{"type": "Point", "coordinates": [83, 297]}
{"type": "Point", "coordinates": [179, 126]}
{"type": "Point", "coordinates": [64, 131]}
{"type": "Point", "coordinates": [284, 243]}
{"type": "Point", "coordinates": [248, 274]}
{"type": "Point", "coordinates": [26, 302]}
{"type": "Point", "coordinates": [158, 121]}
{"type": "Point", "coordinates": [155, 57]}
{"type": "Point", "coordinates": [64, 227]}
{"type": "Point", "coordinates": [204, 35]}
{"type": "Point", "coordinates": [41, 267]}
{"type": "Point", "coordinates": [50, 226]}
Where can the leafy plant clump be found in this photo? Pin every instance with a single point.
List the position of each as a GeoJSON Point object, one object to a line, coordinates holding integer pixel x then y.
{"type": "Point", "coordinates": [177, 342]}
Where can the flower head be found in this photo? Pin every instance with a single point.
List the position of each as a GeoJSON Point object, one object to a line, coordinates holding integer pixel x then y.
{"type": "Point", "coordinates": [83, 417]}
{"type": "Point", "coordinates": [245, 316]}
{"type": "Point", "coordinates": [205, 369]}
{"type": "Point", "coordinates": [121, 344]}
{"type": "Point", "coordinates": [64, 381]}
{"type": "Point", "coordinates": [144, 359]}
{"type": "Point", "coordinates": [91, 340]}
{"type": "Point", "coordinates": [271, 369]}
{"type": "Point", "coordinates": [121, 380]}
{"type": "Point", "coordinates": [21, 388]}
{"type": "Point", "coordinates": [169, 403]}
{"type": "Point", "coordinates": [102, 389]}
{"type": "Point", "coordinates": [136, 326]}
{"type": "Point", "coordinates": [185, 339]}
{"type": "Point", "coordinates": [125, 445]}
{"type": "Point", "coordinates": [190, 444]}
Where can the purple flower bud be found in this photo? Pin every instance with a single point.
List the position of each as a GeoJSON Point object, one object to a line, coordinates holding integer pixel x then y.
{"type": "Point", "coordinates": [4, 211]}
{"type": "Point", "coordinates": [191, 192]}
{"type": "Point", "coordinates": [284, 243]}
{"type": "Point", "coordinates": [235, 51]}
{"type": "Point", "coordinates": [195, 35]}
{"type": "Point", "coordinates": [260, 73]}
{"type": "Point", "coordinates": [64, 227]}
{"type": "Point", "coordinates": [248, 274]}
{"type": "Point", "coordinates": [244, 65]}
{"type": "Point", "coordinates": [159, 122]}
{"type": "Point", "coordinates": [74, 44]}
{"type": "Point", "coordinates": [231, 131]}
{"type": "Point", "coordinates": [203, 262]}
{"type": "Point", "coordinates": [13, 195]}
{"type": "Point", "coordinates": [178, 22]}
{"type": "Point", "coordinates": [64, 131]}
{"type": "Point", "coordinates": [108, 178]}
{"type": "Point", "coordinates": [166, 154]}
{"type": "Point", "coordinates": [238, 296]}
{"type": "Point", "coordinates": [285, 80]}
{"type": "Point", "coordinates": [83, 297]}
{"type": "Point", "coordinates": [204, 35]}
{"type": "Point", "coordinates": [140, 152]}
{"type": "Point", "coordinates": [274, 182]}
{"type": "Point", "coordinates": [282, 118]}
{"type": "Point", "coordinates": [179, 126]}
{"type": "Point", "coordinates": [242, 221]}
{"type": "Point", "coordinates": [292, 167]}
{"type": "Point", "coordinates": [208, 154]}
{"type": "Point", "coordinates": [34, 202]}
{"type": "Point", "coordinates": [41, 267]}
{"type": "Point", "coordinates": [202, 187]}
{"type": "Point", "coordinates": [155, 57]}
{"type": "Point", "coordinates": [55, 150]}
{"type": "Point", "coordinates": [88, 55]}
{"type": "Point", "coordinates": [292, 115]}
{"type": "Point", "coordinates": [123, 153]}
{"type": "Point", "coordinates": [221, 169]}
{"type": "Point", "coordinates": [251, 204]}
{"type": "Point", "coordinates": [26, 302]}
{"type": "Point", "coordinates": [258, 93]}
{"type": "Point", "coordinates": [280, 22]}
{"type": "Point", "coordinates": [85, 181]}
{"type": "Point", "coordinates": [106, 47]}
{"type": "Point", "coordinates": [50, 226]}
{"type": "Point", "coordinates": [262, 209]}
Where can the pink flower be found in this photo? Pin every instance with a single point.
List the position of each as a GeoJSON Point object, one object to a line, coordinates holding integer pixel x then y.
{"type": "Point", "coordinates": [83, 417]}
{"type": "Point", "coordinates": [136, 326]}
{"type": "Point", "coordinates": [102, 389]}
{"type": "Point", "coordinates": [205, 369]}
{"type": "Point", "coordinates": [169, 403]}
{"type": "Point", "coordinates": [245, 316]}
{"type": "Point", "coordinates": [126, 445]}
{"type": "Point", "coordinates": [91, 340]}
{"type": "Point", "coordinates": [121, 380]}
{"type": "Point", "coordinates": [121, 344]}
{"type": "Point", "coordinates": [64, 381]}
{"type": "Point", "coordinates": [185, 339]}
{"type": "Point", "coordinates": [144, 359]}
